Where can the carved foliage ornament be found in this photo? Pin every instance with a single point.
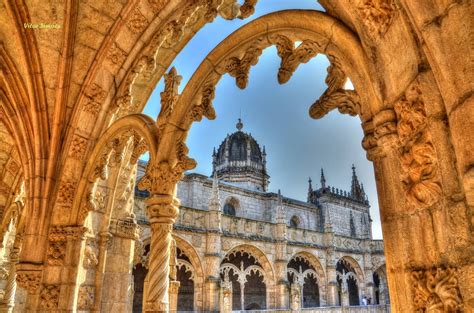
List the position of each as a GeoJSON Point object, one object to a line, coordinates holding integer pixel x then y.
{"type": "Point", "coordinates": [377, 15]}
{"type": "Point", "coordinates": [436, 291]}
{"type": "Point", "coordinates": [29, 280]}
{"type": "Point", "coordinates": [170, 95]}
{"type": "Point", "coordinates": [161, 178]}
{"type": "Point", "coordinates": [417, 154]}
{"type": "Point", "coordinates": [86, 297]}
{"type": "Point", "coordinates": [49, 296]}
{"type": "Point", "coordinates": [335, 96]}
{"type": "Point", "coordinates": [95, 95]}
{"type": "Point", "coordinates": [137, 22]}
{"type": "Point", "coordinates": [292, 57]}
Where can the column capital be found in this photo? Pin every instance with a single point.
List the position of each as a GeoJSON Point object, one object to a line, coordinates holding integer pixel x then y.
{"type": "Point", "coordinates": [162, 208]}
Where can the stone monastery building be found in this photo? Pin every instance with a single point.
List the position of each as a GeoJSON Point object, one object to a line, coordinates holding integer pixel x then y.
{"type": "Point", "coordinates": [252, 249]}
{"type": "Point", "coordinates": [77, 236]}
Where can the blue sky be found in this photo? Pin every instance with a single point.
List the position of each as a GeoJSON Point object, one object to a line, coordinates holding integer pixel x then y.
{"type": "Point", "coordinates": [277, 116]}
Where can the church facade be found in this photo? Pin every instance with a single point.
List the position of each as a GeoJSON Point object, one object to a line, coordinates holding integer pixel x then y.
{"type": "Point", "coordinates": [238, 246]}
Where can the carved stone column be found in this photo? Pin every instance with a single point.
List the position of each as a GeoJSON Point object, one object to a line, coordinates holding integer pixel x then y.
{"type": "Point", "coordinates": [173, 295]}
{"type": "Point", "coordinates": [295, 297]}
{"type": "Point", "coordinates": [281, 258]}
{"type": "Point", "coordinates": [213, 249]}
{"type": "Point", "coordinates": [162, 211]}
{"type": "Point", "coordinates": [105, 240]}
{"type": "Point", "coordinates": [8, 301]}
{"type": "Point", "coordinates": [118, 268]}
{"type": "Point", "coordinates": [226, 297]}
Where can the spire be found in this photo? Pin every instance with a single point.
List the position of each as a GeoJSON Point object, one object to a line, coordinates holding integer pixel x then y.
{"type": "Point", "coordinates": [239, 125]}
{"type": "Point", "coordinates": [323, 179]}
{"type": "Point", "coordinates": [356, 191]}
{"type": "Point", "coordinates": [214, 201]}
{"type": "Point", "coordinates": [310, 186]}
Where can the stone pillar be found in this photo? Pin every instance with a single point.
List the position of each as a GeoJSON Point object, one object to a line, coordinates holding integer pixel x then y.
{"type": "Point", "coordinates": [105, 240]}
{"type": "Point", "coordinates": [295, 297]}
{"type": "Point", "coordinates": [162, 212]}
{"type": "Point", "coordinates": [8, 302]}
{"type": "Point", "coordinates": [213, 250]}
{"type": "Point", "coordinates": [332, 286]}
{"type": "Point", "coordinates": [281, 259]}
{"type": "Point", "coordinates": [226, 297]}
{"type": "Point", "coordinates": [117, 276]}
{"type": "Point", "coordinates": [211, 294]}
{"type": "Point", "coordinates": [418, 185]}
{"type": "Point", "coordinates": [173, 295]}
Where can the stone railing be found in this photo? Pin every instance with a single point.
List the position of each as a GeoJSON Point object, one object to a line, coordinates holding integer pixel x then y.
{"type": "Point", "coordinates": [336, 309]}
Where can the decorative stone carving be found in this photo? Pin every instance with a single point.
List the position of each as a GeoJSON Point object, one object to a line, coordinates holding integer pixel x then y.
{"type": "Point", "coordinates": [95, 95]}
{"type": "Point", "coordinates": [157, 5]}
{"type": "Point", "coordinates": [162, 178]}
{"type": "Point", "coordinates": [3, 273]}
{"type": "Point", "coordinates": [12, 166]}
{"type": "Point", "coordinates": [56, 252]}
{"type": "Point", "coordinates": [140, 146]}
{"type": "Point", "coordinates": [205, 108]}
{"type": "Point", "coordinates": [417, 155]}
{"type": "Point", "coordinates": [335, 96]}
{"type": "Point", "coordinates": [240, 68]}
{"type": "Point", "coordinates": [116, 55]}
{"type": "Point", "coordinates": [66, 193]}
{"type": "Point", "coordinates": [292, 57]}
{"type": "Point", "coordinates": [170, 95]}
{"type": "Point", "coordinates": [377, 15]}
{"type": "Point", "coordinates": [126, 228]}
{"type": "Point", "coordinates": [78, 147]}
{"type": "Point", "coordinates": [90, 257]}
{"type": "Point", "coordinates": [137, 22]}
{"type": "Point", "coordinates": [49, 296]}
{"type": "Point", "coordinates": [100, 170]}
{"type": "Point", "coordinates": [86, 297]}
{"type": "Point", "coordinates": [436, 290]}
{"type": "Point", "coordinates": [29, 280]}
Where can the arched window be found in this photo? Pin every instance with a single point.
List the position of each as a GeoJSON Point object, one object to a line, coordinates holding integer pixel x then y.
{"type": "Point", "coordinates": [229, 209]}
{"type": "Point", "coordinates": [231, 206]}
{"type": "Point", "coordinates": [295, 221]}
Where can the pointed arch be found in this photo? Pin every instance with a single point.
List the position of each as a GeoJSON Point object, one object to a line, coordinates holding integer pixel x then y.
{"type": "Point", "coordinates": [259, 255]}
{"type": "Point", "coordinates": [355, 265]}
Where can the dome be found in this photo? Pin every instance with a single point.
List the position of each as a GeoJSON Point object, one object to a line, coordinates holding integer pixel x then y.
{"type": "Point", "coordinates": [241, 145]}
{"type": "Point", "coordinates": [240, 159]}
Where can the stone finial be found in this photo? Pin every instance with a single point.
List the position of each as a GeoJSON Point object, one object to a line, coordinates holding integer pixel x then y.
{"type": "Point", "coordinates": [239, 125]}
{"type": "Point", "coordinates": [323, 180]}
{"type": "Point", "coordinates": [356, 191]}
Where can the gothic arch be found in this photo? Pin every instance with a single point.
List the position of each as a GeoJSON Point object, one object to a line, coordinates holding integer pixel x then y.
{"type": "Point", "coordinates": [259, 255]}
{"type": "Point", "coordinates": [191, 252]}
{"type": "Point", "coordinates": [314, 262]}
{"type": "Point", "coordinates": [355, 265]}
{"type": "Point", "coordinates": [238, 52]}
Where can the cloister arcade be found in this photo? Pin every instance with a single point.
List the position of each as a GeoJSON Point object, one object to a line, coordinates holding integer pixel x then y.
{"type": "Point", "coordinates": [72, 132]}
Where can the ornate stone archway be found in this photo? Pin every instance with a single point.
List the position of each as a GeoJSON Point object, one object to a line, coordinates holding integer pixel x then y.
{"type": "Point", "coordinates": [106, 66]}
